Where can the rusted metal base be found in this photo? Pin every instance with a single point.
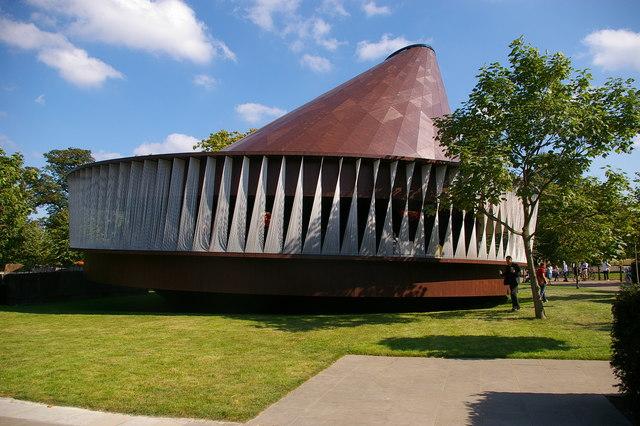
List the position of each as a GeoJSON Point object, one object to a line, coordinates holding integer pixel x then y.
{"type": "Point", "coordinates": [296, 276]}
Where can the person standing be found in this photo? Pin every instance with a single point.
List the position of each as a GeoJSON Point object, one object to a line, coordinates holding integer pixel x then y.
{"type": "Point", "coordinates": [542, 280]}
{"type": "Point", "coordinates": [605, 270]}
{"type": "Point", "coordinates": [511, 274]}
{"type": "Point", "coordinates": [565, 271]}
{"type": "Point", "coordinates": [556, 273]}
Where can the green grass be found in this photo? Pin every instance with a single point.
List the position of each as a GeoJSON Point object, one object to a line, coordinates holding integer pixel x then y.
{"type": "Point", "coordinates": [130, 354]}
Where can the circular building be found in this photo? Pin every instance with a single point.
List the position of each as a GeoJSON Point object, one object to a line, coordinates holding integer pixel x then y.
{"type": "Point", "coordinates": [338, 198]}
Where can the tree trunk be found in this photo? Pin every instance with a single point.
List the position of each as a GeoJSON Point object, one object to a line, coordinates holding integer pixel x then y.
{"type": "Point", "coordinates": [535, 288]}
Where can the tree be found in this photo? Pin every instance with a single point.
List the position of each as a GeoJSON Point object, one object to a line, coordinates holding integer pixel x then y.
{"type": "Point", "coordinates": [53, 192]}
{"type": "Point", "coordinates": [221, 139]}
{"type": "Point", "coordinates": [17, 202]}
{"type": "Point", "coordinates": [587, 220]}
{"type": "Point", "coordinates": [533, 124]}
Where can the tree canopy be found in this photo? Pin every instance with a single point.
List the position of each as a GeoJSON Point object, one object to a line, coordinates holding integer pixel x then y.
{"type": "Point", "coordinates": [221, 139]}
{"type": "Point", "coordinates": [534, 123]}
{"type": "Point", "coordinates": [591, 220]}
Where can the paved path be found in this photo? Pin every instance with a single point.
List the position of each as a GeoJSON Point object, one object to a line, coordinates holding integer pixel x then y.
{"type": "Point", "coordinates": [14, 412]}
{"type": "Point", "coordinates": [368, 390]}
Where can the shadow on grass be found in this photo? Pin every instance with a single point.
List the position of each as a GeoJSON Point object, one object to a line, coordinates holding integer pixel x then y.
{"type": "Point", "coordinates": [474, 346]}
{"type": "Point", "coordinates": [508, 408]}
{"type": "Point", "coordinates": [186, 303]}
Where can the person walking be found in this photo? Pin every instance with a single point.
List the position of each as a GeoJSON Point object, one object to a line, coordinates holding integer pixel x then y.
{"type": "Point", "coordinates": [565, 271]}
{"type": "Point", "coordinates": [556, 273]}
{"type": "Point", "coordinates": [542, 280]}
{"type": "Point", "coordinates": [511, 275]}
{"type": "Point", "coordinates": [605, 270]}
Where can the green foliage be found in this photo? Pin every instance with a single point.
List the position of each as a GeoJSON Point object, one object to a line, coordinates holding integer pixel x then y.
{"type": "Point", "coordinates": [588, 219]}
{"type": "Point", "coordinates": [625, 344]}
{"type": "Point", "coordinates": [17, 202]}
{"type": "Point", "coordinates": [22, 190]}
{"type": "Point", "coordinates": [53, 188]}
{"type": "Point", "coordinates": [536, 123]}
{"type": "Point", "coordinates": [221, 139]}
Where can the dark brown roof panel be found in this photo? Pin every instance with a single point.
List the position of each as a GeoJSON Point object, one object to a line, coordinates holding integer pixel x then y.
{"type": "Point", "coordinates": [386, 111]}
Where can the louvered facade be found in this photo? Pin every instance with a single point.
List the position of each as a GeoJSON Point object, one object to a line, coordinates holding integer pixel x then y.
{"type": "Point", "coordinates": [353, 175]}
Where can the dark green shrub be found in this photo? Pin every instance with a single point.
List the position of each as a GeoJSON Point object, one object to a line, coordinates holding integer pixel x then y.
{"type": "Point", "coordinates": [625, 342]}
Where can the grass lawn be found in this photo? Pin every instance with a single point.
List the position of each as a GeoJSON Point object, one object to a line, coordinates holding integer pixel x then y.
{"type": "Point", "coordinates": [131, 354]}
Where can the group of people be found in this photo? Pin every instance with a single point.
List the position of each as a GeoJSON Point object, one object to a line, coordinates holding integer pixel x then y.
{"type": "Point", "coordinates": [513, 276]}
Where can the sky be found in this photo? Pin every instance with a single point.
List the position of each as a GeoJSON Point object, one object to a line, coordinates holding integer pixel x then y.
{"type": "Point", "coordinates": [133, 77]}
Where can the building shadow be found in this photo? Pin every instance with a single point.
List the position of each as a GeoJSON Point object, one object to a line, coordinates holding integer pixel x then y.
{"type": "Point", "coordinates": [190, 303]}
{"type": "Point", "coordinates": [514, 408]}
{"type": "Point", "coordinates": [474, 346]}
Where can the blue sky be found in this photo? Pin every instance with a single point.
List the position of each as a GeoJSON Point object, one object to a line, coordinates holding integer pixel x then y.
{"type": "Point", "coordinates": [122, 77]}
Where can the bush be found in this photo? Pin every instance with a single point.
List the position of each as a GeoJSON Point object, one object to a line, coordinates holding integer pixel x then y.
{"type": "Point", "coordinates": [625, 336]}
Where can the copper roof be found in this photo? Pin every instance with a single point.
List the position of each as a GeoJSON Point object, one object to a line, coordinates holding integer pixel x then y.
{"type": "Point", "coordinates": [385, 111]}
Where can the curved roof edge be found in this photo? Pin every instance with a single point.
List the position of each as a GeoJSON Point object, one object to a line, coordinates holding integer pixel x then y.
{"type": "Point", "coordinates": [411, 46]}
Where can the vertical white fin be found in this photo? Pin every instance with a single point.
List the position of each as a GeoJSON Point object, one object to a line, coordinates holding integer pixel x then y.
{"type": "Point", "coordinates": [331, 243]}
{"type": "Point", "coordinates": [368, 246]}
{"type": "Point", "coordinates": [293, 240]}
{"type": "Point", "coordinates": [203, 222]}
{"type": "Point", "coordinates": [273, 244]}
{"type": "Point", "coordinates": [255, 237]}
{"type": "Point", "coordinates": [221, 221]}
{"type": "Point", "coordinates": [405, 246]}
{"type": "Point", "coordinates": [238, 229]}
{"type": "Point", "coordinates": [121, 212]}
{"type": "Point", "coordinates": [350, 240]}
{"type": "Point", "coordinates": [312, 241]}
{"type": "Point", "coordinates": [189, 202]}
{"type": "Point", "coordinates": [461, 249]}
{"type": "Point", "coordinates": [174, 202]}
{"type": "Point", "coordinates": [434, 241]}
{"type": "Point", "coordinates": [387, 240]}
{"type": "Point", "coordinates": [419, 239]}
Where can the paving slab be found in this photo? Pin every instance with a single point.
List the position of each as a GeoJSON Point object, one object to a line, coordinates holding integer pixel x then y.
{"type": "Point", "coordinates": [372, 390]}
{"type": "Point", "coordinates": [23, 413]}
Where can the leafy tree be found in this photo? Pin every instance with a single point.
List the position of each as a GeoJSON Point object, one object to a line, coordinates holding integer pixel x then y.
{"type": "Point", "coordinates": [587, 220]}
{"type": "Point", "coordinates": [17, 202]}
{"type": "Point", "coordinates": [53, 190]}
{"type": "Point", "coordinates": [53, 193]}
{"type": "Point", "coordinates": [221, 139]}
{"type": "Point", "coordinates": [530, 125]}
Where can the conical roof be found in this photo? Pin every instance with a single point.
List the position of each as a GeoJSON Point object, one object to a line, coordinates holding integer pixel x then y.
{"type": "Point", "coordinates": [386, 111]}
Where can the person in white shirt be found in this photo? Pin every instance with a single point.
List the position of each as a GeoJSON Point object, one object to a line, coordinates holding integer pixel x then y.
{"type": "Point", "coordinates": [565, 271]}
{"type": "Point", "coordinates": [605, 270]}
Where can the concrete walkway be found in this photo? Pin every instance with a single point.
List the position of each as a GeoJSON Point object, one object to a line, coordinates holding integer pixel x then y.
{"type": "Point", "coordinates": [368, 390]}
{"type": "Point", "coordinates": [14, 412]}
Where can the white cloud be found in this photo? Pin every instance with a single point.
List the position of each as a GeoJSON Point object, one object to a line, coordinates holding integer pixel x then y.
{"type": "Point", "coordinates": [371, 9]}
{"type": "Point", "coordinates": [105, 155]}
{"type": "Point", "coordinates": [166, 26]}
{"type": "Point", "coordinates": [254, 113]}
{"type": "Point", "coordinates": [205, 81]}
{"type": "Point", "coordinates": [175, 142]}
{"type": "Point", "coordinates": [282, 17]}
{"type": "Point", "coordinates": [316, 63]}
{"type": "Point", "coordinates": [40, 100]}
{"type": "Point", "coordinates": [72, 63]}
{"type": "Point", "coordinates": [333, 8]}
{"type": "Point", "coordinates": [368, 51]}
{"type": "Point", "coordinates": [262, 12]}
{"type": "Point", "coordinates": [614, 49]}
